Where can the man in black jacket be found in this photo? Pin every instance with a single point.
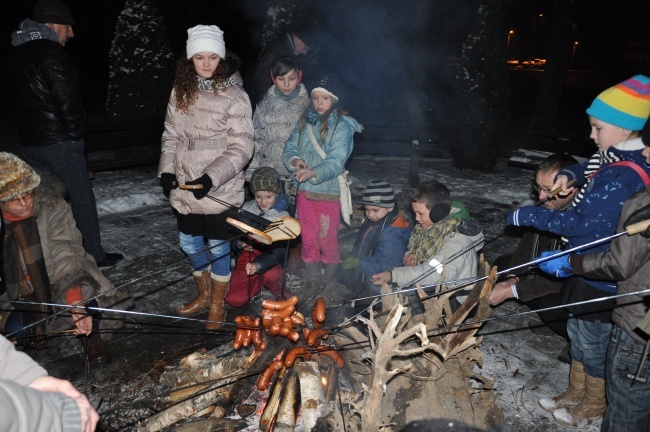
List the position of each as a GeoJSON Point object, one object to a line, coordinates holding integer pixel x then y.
{"type": "Point", "coordinates": [51, 118]}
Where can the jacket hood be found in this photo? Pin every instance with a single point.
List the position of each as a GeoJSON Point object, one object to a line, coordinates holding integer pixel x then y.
{"type": "Point", "coordinates": [29, 30]}
{"type": "Point", "coordinates": [50, 190]}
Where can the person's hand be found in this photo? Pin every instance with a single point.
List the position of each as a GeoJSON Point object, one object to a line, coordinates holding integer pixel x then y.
{"type": "Point", "coordinates": [502, 292]}
{"type": "Point", "coordinates": [252, 268]}
{"type": "Point", "coordinates": [82, 321]}
{"type": "Point", "coordinates": [204, 181]}
{"type": "Point", "coordinates": [245, 246]}
{"type": "Point", "coordinates": [350, 263]}
{"type": "Point", "coordinates": [410, 260]}
{"type": "Point", "coordinates": [558, 267]}
{"type": "Point", "coordinates": [168, 181]}
{"type": "Point", "coordinates": [561, 182]}
{"type": "Point", "coordinates": [381, 278]}
{"type": "Point", "coordinates": [300, 164]}
{"type": "Point", "coordinates": [89, 416]}
{"type": "Point", "coordinates": [305, 174]}
{"type": "Point", "coordinates": [639, 215]}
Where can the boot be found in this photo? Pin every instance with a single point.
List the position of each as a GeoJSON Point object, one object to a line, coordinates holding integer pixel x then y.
{"type": "Point", "coordinates": [330, 272]}
{"type": "Point", "coordinates": [219, 288]}
{"type": "Point", "coordinates": [202, 280]}
{"type": "Point", "coordinates": [312, 275]}
{"type": "Point", "coordinates": [592, 408]}
{"type": "Point", "coordinates": [574, 393]}
{"type": "Point", "coordinates": [95, 349]}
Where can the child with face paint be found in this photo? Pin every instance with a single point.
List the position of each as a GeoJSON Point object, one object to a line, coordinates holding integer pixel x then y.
{"type": "Point", "coordinates": [275, 117]}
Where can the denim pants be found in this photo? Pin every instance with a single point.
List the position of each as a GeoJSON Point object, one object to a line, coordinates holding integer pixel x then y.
{"type": "Point", "coordinates": [589, 341]}
{"type": "Point", "coordinates": [628, 408]}
{"type": "Point", "coordinates": [218, 255]}
{"type": "Point", "coordinates": [66, 161]}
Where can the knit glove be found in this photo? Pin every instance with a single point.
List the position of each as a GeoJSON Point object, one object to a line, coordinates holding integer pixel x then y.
{"type": "Point", "coordinates": [204, 180]}
{"type": "Point", "coordinates": [350, 263]}
{"type": "Point", "coordinates": [638, 216]}
{"type": "Point", "coordinates": [558, 267]}
{"type": "Point", "coordinates": [168, 181]}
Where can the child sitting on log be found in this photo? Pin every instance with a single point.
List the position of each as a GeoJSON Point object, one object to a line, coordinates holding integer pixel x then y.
{"type": "Point", "coordinates": [258, 264]}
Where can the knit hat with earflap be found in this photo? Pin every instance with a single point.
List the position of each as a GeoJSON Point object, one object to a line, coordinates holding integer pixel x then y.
{"type": "Point", "coordinates": [204, 38]}
{"type": "Point", "coordinates": [53, 12]}
{"type": "Point", "coordinates": [378, 193]}
{"type": "Point", "coordinates": [626, 105]}
{"type": "Point", "coordinates": [265, 179]}
{"type": "Point", "coordinates": [16, 177]}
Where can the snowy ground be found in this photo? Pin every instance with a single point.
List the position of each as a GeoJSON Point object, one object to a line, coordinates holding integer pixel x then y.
{"type": "Point", "coordinates": [136, 221]}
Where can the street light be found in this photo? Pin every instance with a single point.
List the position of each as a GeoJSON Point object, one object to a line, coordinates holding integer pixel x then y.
{"type": "Point", "coordinates": [575, 45]}
{"type": "Point", "coordinates": [510, 33]}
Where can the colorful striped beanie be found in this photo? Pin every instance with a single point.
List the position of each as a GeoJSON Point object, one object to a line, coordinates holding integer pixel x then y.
{"type": "Point", "coordinates": [625, 105]}
{"type": "Point", "coordinates": [378, 193]}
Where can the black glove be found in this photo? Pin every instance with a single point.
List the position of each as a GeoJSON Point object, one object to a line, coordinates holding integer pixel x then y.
{"type": "Point", "coordinates": [168, 181]}
{"type": "Point", "coordinates": [638, 216]}
{"type": "Point", "coordinates": [205, 181]}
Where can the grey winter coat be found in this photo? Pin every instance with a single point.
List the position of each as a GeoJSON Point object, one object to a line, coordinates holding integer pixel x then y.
{"type": "Point", "coordinates": [23, 409]}
{"type": "Point", "coordinates": [628, 261]}
{"type": "Point", "coordinates": [275, 117]}
{"type": "Point", "coordinates": [215, 137]}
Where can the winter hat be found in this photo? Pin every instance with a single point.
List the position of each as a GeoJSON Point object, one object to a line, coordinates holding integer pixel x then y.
{"type": "Point", "coordinates": [52, 11]}
{"type": "Point", "coordinates": [626, 105]}
{"type": "Point", "coordinates": [265, 179]}
{"type": "Point", "coordinates": [378, 193]}
{"type": "Point", "coordinates": [327, 84]}
{"type": "Point", "coordinates": [204, 38]}
{"type": "Point", "coordinates": [16, 177]}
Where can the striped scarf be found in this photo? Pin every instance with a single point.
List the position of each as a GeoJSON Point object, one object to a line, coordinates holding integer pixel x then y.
{"type": "Point", "coordinates": [598, 160]}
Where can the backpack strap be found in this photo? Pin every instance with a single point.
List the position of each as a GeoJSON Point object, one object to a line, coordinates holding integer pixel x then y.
{"type": "Point", "coordinates": [640, 171]}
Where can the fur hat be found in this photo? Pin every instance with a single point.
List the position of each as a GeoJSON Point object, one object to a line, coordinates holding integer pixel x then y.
{"type": "Point", "coordinates": [378, 193]}
{"type": "Point", "coordinates": [204, 38]}
{"type": "Point", "coordinates": [16, 177]}
{"type": "Point", "coordinates": [52, 11]}
{"type": "Point", "coordinates": [626, 105]}
{"type": "Point", "coordinates": [265, 179]}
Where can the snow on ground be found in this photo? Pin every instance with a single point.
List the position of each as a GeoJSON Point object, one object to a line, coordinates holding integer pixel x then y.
{"type": "Point", "coordinates": [522, 366]}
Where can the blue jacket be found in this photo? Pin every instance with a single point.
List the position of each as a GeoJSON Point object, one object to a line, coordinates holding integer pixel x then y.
{"type": "Point", "coordinates": [385, 252]}
{"type": "Point", "coordinates": [338, 145]}
{"type": "Point", "coordinates": [596, 215]}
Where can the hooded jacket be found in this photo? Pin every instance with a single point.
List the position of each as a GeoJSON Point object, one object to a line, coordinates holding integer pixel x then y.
{"type": "Point", "coordinates": [458, 255]}
{"type": "Point", "coordinates": [275, 117]}
{"type": "Point", "coordinates": [215, 137]}
{"type": "Point", "coordinates": [628, 261]}
{"type": "Point", "coordinates": [337, 145]}
{"type": "Point", "coordinates": [66, 261]}
{"type": "Point", "coordinates": [45, 88]}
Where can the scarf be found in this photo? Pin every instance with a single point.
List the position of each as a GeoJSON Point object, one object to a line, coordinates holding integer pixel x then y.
{"type": "Point", "coordinates": [287, 97]}
{"type": "Point", "coordinates": [596, 161]}
{"type": "Point", "coordinates": [312, 116]}
{"type": "Point", "coordinates": [23, 251]}
{"type": "Point", "coordinates": [426, 242]}
{"type": "Point", "coordinates": [208, 84]}
{"type": "Point", "coordinates": [29, 30]}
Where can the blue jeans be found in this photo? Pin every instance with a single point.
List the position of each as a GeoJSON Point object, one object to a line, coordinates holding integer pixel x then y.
{"type": "Point", "coordinates": [66, 161]}
{"type": "Point", "coordinates": [589, 341]}
{"type": "Point", "coordinates": [628, 408]}
{"type": "Point", "coordinates": [218, 256]}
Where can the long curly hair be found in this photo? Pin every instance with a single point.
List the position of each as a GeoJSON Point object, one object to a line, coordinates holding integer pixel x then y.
{"type": "Point", "coordinates": [185, 83]}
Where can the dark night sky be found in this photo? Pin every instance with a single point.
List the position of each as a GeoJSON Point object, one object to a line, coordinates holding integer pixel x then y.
{"type": "Point", "coordinates": [380, 44]}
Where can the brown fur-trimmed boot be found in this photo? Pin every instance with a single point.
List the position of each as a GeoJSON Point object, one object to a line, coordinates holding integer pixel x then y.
{"type": "Point", "coordinates": [590, 409]}
{"type": "Point", "coordinates": [202, 301]}
{"type": "Point", "coordinates": [219, 288]}
{"type": "Point", "coordinates": [573, 395]}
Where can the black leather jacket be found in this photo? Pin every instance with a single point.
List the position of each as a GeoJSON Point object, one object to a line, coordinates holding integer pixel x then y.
{"type": "Point", "coordinates": [46, 94]}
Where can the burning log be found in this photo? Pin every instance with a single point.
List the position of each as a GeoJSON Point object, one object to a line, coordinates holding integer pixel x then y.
{"type": "Point", "coordinates": [273, 403]}
{"type": "Point", "coordinates": [311, 391]}
{"type": "Point", "coordinates": [289, 405]}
